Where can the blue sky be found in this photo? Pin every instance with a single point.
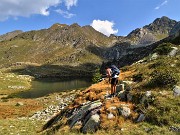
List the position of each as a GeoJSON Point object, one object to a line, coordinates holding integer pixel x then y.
{"type": "Point", "coordinates": [117, 17]}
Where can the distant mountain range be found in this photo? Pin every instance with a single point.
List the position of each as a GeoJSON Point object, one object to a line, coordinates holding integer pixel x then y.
{"type": "Point", "coordinates": [74, 45]}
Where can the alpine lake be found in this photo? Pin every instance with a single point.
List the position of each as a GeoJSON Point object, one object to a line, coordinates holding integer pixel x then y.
{"type": "Point", "coordinates": [44, 86]}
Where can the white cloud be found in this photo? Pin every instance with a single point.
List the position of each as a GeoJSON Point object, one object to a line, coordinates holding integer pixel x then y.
{"type": "Point", "coordinates": [25, 8]}
{"type": "Point", "coordinates": [162, 4]}
{"type": "Point", "coordinates": [105, 27]}
{"type": "Point", "coordinates": [65, 14]}
{"type": "Point", "coordinates": [70, 3]}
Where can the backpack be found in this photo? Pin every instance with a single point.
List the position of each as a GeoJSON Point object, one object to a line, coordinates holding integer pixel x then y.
{"type": "Point", "coordinates": [115, 70]}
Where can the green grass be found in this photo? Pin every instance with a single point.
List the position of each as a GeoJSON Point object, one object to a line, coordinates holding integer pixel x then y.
{"type": "Point", "coordinates": [19, 126]}
{"type": "Point", "coordinates": [161, 36]}
{"type": "Point", "coordinates": [11, 83]}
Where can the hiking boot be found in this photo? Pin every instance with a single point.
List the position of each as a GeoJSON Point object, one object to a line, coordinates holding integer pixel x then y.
{"type": "Point", "coordinates": [113, 95]}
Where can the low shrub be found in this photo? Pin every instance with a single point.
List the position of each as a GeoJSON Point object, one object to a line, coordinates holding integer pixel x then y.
{"type": "Point", "coordinates": [96, 76]}
{"type": "Point", "coordinates": [176, 40]}
{"type": "Point", "coordinates": [163, 49]}
{"type": "Point", "coordinates": [137, 77]}
{"type": "Point", "coordinates": [161, 78]}
{"type": "Point", "coordinates": [156, 65]}
{"type": "Point", "coordinates": [123, 69]}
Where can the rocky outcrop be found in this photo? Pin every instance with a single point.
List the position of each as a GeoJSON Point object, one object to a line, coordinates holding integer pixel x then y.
{"type": "Point", "coordinates": [10, 35]}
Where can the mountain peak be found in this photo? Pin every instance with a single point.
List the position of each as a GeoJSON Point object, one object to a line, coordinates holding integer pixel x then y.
{"type": "Point", "coordinates": [163, 20]}
{"type": "Point", "coordinates": [57, 25]}
{"type": "Point", "coordinates": [157, 30]}
{"type": "Point", "coordinates": [75, 25]}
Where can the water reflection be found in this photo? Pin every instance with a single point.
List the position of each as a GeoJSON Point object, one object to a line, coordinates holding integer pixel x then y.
{"type": "Point", "coordinates": [46, 86]}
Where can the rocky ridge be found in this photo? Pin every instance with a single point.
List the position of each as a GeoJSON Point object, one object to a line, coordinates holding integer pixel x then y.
{"type": "Point", "coordinates": [157, 30]}
{"type": "Point", "coordinates": [10, 35]}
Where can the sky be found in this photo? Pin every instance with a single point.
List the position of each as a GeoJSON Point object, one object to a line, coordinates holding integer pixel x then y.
{"type": "Point", "coordinates": [117, 17]}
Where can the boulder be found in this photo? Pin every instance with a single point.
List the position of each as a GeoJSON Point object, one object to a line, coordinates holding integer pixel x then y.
{"type": "Point", "coordinates": [173, 52]}
{"type": "Point", "coordinates": [19, 104]}
{"type": "Point", "coordinates": [154, 56]}
{"type": "Point", "coordinates": [92, 124]}
{"type": "Point", "coordinates": [122, 91]}
{"type": "Point", "coordinates": [82, 112]}
{"type": "Point", "coordinates": [176, 91]}
{"type": "Point", "coordinates": [110, 116]}
{"type": "Point", "coordinates": [141, 117]}
{"type": "Point", "coordinates": [122, 95]}
{"type": "Point", "coordinates": [125, 111]}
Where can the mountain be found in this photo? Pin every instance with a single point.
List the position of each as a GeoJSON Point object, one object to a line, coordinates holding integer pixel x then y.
{"type": "Point", "coordinates": [176, 29]}
{"type": "Point", "coordinates": [155, 31]}
{"type": "Point", "coordinates": [72, 50]}
{"type": "Point", "coordinates": [10, 35]}
{"type": "Point", "coordinates": [61, 45]}
{"type": "Point", "coordinates": [73, 35]}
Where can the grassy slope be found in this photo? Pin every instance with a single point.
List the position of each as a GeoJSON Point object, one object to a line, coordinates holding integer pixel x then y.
{"type": "Point", "coordinates": [12, 83]}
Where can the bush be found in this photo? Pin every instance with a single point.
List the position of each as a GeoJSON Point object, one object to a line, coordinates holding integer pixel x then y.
{"type": "Point", "coordinates": [137, 78]}
{"type": "Point", "coordinates": [123, 69]}
{"type": "Point", "coordinates": [96, 76]}
{"type": "Point", "coordinates": [161, 78]}
{"type": "Point", "coordinates": [156, 65]}
{"type": "Point", "coordinates": [163, 49]}
{"type": "Point", "coordinates": [157, 117]}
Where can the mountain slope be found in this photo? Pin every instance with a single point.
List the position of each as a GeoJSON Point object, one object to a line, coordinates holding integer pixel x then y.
{"type": "Point", "coordinates": [157, 30]}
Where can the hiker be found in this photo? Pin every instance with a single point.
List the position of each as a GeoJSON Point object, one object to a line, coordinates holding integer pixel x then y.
{"type": "Point", "coordinates": [108, 73]}
{"type": "Point", "coordinates": [113, 73]}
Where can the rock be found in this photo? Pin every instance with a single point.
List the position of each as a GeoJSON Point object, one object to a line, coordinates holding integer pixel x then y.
{"type": "Point", "coordinates": [174, 129]}
{"type": "Point", "coordinates": [124, 86]}
{"type": "Point", "coordinates": [141, 117]}
{"type": "Point", "coordinates": [128, 82]}
{"type": "Point", "coordinates": [146, 97]}
{"type": "Point", "coordinates": [148, 93]}
{"type": "Point", "coordinates": [92, 124]}
{"type": "Point", "coordinates": [52, 110]}
{"type": "Point", "coordinates": [129, 97]}
{"type": "Point", "coordinates": [176, 91]}
{"type": "Point", "coordinates": [80, 114]}
{"type": "Point", "coordinates": [110, 116]}
{"type": "Point", "coordinates": [16, 87]}
{"type": "Point", "coordinates": [122, 95]}
{"type": "Point", "coordinates": [119, 88]}
{"type": "Point", "coordinates": [19, 104]}
{"type": "Point", "coordinates": [173, 52]}
{"type": "Point", "coordinates": [112, 108]}
{"type": "Point", "coordinates": [125, 111]}
{"type": "Point", "coordinates": [154, 56]}
{"type": "Point", "coordinates": [122, 91]}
